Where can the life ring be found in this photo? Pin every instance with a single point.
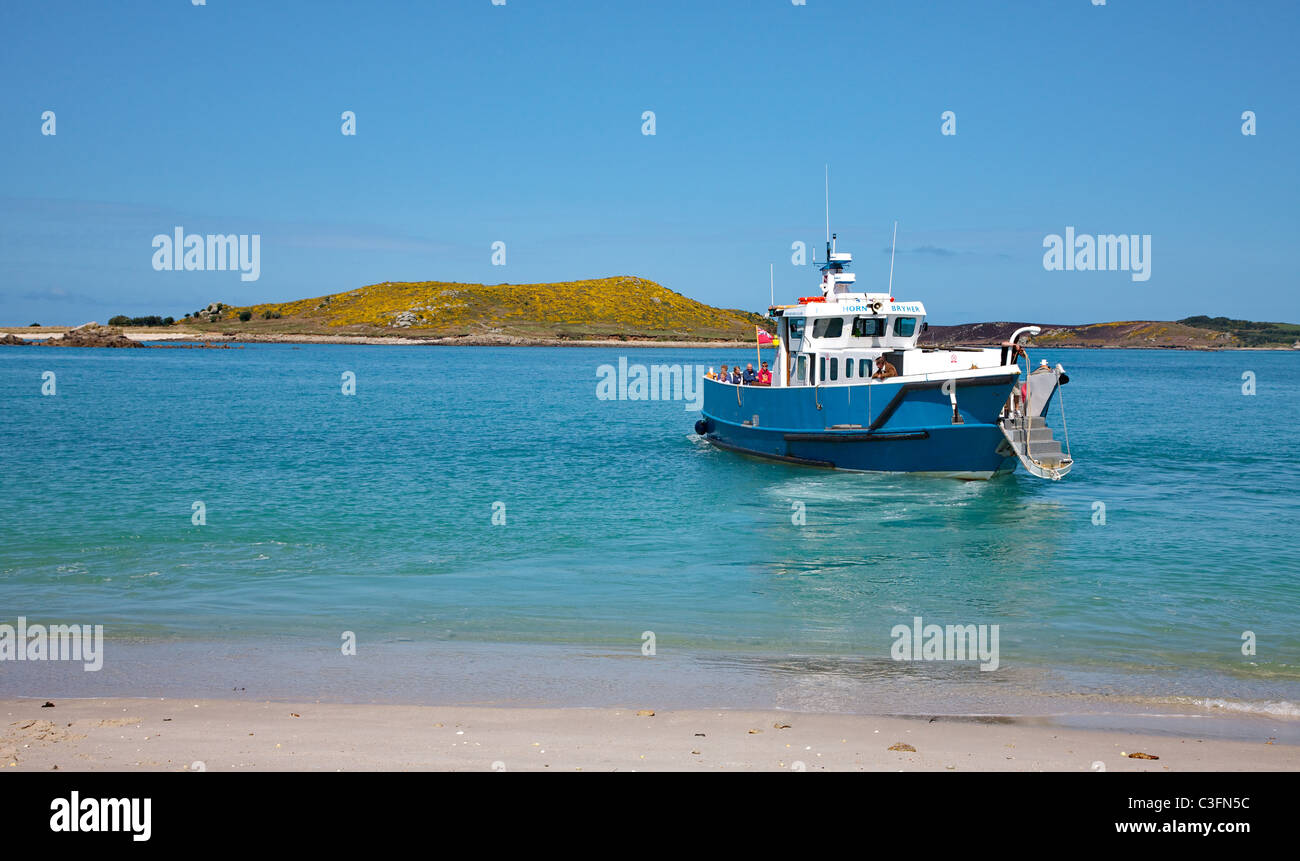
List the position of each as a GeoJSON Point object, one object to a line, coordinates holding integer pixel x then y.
{"type": "Point", "coordinates": [804, 300]}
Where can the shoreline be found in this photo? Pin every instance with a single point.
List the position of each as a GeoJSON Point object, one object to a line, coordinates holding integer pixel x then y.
{"type": "Point", "coordinates": [385, 340]}
{"type": "Point", "coordinates": [552, 676]}
{"type": "Point", "coordinates": [127, 734]}
{"type": "Point", "coordinates": [206, 338]}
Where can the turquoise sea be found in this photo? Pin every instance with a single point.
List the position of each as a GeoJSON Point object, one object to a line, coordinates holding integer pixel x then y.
{"type": "Point", "coordinates": [373, 514]}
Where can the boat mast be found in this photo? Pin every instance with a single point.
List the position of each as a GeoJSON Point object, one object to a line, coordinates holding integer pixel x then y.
{"type": "Point", "coordinates": [828, 206]}
{"type": "Point", "coordinates": [891, 260]}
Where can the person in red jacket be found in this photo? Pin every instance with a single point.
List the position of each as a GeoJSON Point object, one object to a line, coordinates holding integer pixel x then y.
{"type": "Point", "coordinates": [764, 375]}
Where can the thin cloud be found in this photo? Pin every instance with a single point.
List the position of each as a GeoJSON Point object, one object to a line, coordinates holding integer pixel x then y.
{"type": "Point", "coordinates": [56, 294]}
{"type": "Point", "coordinates": [940, 251]}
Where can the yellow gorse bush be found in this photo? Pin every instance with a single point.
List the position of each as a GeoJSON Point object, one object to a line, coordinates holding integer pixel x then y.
{"type": "Point", "coordinates": [618, 306]}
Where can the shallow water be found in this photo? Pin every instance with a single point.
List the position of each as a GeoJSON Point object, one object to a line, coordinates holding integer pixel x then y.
{"type": "Point", "coordinates": [373, 514]}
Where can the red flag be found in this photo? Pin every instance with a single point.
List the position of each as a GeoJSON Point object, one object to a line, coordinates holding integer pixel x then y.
{"type": "Point", "coordinates": [764, 337]}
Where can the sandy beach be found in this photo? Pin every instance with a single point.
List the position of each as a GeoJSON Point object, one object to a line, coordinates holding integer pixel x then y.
{"type": "Point", "coordinates": [124, 734]}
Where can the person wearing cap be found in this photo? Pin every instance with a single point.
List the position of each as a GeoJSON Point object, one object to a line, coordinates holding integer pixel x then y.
{"type": "Point", "coordinates": [884, 370]}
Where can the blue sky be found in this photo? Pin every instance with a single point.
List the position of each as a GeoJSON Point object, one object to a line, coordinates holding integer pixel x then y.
{"type": "Point", "coordinates": [522, 123]}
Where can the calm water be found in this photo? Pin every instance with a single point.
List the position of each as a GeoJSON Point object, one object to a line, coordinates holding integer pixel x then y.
{"type": "Point", "coordinates": [373, 513]}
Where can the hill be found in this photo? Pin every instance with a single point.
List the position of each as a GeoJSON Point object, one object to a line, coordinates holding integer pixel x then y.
{"type": "Point", "coordinates": [1192, 333]}
{"type": "Point", "coordinates": [1248, 333]}
{"type": "Point", "coordinates": [622, 307]}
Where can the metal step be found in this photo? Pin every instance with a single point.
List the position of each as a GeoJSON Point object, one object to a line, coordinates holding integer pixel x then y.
{"type": "Point", "coordinates": [1047, 448]}
{"type": "Point", "coordinates": [1036, 446]}
{"type": "Point", "coordinates": [1037, 434]}
{"type": "Point", "coordinates": [1048, 458]}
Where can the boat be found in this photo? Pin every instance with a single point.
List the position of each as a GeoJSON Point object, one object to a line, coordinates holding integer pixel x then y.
{"type": "Point", "coordinates": [963, 412]}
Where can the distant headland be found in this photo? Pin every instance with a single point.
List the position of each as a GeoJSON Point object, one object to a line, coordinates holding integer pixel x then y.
{"type": "Point", "coordinates": [1190, 333]}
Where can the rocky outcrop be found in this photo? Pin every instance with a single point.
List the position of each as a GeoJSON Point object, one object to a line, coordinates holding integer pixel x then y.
{"type": "Point", "coordinates": [11, 340]}
{"type": "Point", "coordinates": [93, 335]}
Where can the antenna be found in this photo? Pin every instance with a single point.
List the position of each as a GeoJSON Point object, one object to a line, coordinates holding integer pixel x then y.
{"type": "Point", "coordinates": [771, 277]}
{"type": "Point", "coordinates": [891, 260]}
{"type": "Point", "coordinates": [828, 203]}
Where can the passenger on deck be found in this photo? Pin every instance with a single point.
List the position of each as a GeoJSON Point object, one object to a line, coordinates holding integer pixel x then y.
{"type": "Point", "coordinates": [764, 376]}
{"type": "Point", "coordinates": [751, 376]}
{"type": "Point", "coordinates": [735, 374]}
{"type": "Point", "coordinates": [884, 370]}
{"type": "Point", "coordinates": [723, 376]}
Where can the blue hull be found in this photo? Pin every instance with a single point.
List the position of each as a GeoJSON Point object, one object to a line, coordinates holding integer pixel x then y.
{"type": "Point", "coordinates": [877, 427]}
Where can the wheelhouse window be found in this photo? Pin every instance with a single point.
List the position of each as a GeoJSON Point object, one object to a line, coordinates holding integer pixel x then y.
{"type": "Point", "coordinates": [796, 327]}
{"type": "Point", "coordinates": [828, 327]}
{"type": "Point", "coordinates": [868, 327]}
{"type": "Point", "coordinates": [904, 327]}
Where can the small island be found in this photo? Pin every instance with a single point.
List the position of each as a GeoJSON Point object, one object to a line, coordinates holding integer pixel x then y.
{"type": "Point", "coordinates": [620, 310]}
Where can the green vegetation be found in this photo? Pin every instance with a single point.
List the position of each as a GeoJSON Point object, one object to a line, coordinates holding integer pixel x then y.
{"type": "Point", "coordinates": [1249, 333]}
{"type": "Point", "coordinates": [154, 320]}
{"type": "Point", "coordinates": [622, 307]}
{"type": "Point", "coordinates": [1131, 334]}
